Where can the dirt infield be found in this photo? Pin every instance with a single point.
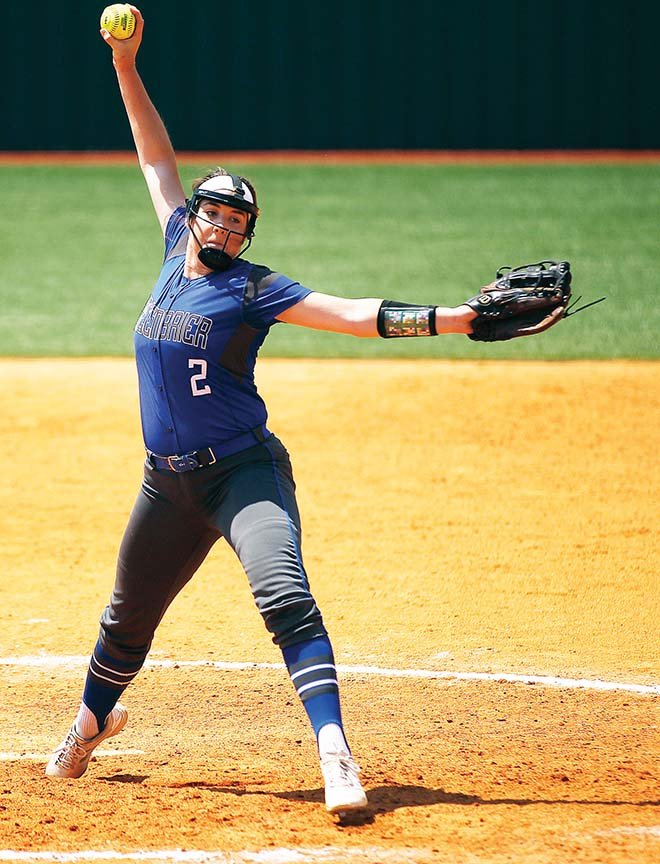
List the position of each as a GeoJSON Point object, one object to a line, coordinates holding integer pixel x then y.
{"type": "Point", "coordinates": [342, 157]}
{"type": "Point", "coordinates": [465, 518]}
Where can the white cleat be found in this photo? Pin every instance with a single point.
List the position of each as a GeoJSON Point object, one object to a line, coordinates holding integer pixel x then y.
{"type": "Point", "coordinates": [72, 756]}
{"type": "Point", "coordinates": [343, 790]}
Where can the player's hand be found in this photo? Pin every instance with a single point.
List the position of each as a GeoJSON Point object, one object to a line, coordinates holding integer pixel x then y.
{"type": "Point", "coordinates": [125, 50]}
{"type": "Point", "coordinates": [467, 313]}
{"type": "Point", "coordinates": [454, 319]}
{"type": "Point", "coordinates": [464, 316]}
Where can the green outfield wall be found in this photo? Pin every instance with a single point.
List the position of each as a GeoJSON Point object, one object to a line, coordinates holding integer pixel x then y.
{"type": "Point", "coordinates": [312, 74]}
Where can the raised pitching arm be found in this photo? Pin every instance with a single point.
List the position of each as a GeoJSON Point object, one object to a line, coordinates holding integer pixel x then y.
{"type": "Point", "coordinates": [152, 143]}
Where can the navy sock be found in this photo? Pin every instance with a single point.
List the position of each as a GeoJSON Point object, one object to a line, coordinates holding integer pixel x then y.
{"type": "Point", "coordinates": [311, 665]}
{"type": "Point", "coordinates": [100, 699]}
{"type": "Point", "coordinates": [107, 678]}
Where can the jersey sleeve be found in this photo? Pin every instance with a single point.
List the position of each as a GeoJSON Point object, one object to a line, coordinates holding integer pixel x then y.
{"type": "Point", "coordinates": [268, 294]}
{"type": "Point", "coordinates": [176, 234]}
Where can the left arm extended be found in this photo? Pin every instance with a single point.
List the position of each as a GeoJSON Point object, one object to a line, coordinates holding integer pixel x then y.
{"type": "Point", "coordinates": [360, 317]}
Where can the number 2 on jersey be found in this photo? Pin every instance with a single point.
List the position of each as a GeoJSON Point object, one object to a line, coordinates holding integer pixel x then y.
{"type": "Point", "coordinates": [198, 388]}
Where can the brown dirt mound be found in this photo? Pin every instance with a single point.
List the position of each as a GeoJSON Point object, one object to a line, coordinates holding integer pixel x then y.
{"type": "Point", "coordinates": [484, 517]}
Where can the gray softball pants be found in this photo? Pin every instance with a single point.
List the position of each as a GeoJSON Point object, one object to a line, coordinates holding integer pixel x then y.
{"type": "Point", "coordinates": [249, 499]}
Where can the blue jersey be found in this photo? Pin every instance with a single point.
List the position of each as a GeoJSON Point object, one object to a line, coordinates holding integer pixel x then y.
{"type": "Point", "coordinates": [196, 345]}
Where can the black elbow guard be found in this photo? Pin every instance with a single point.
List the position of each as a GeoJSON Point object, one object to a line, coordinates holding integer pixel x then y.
{"type": "Point", "coordinates": [405, 319]}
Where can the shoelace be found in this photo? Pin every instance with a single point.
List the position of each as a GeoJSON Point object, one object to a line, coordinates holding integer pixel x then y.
{"type": "Point", "coordinates": [342, 769]}
{"type": "Point", "coordinates": [70, 751]}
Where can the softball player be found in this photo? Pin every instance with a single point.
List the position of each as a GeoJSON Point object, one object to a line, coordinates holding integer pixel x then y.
{"type": "Point", "coordinates": [213, 469]}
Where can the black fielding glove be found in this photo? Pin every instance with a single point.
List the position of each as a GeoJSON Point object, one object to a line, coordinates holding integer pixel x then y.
{"type": "Point", "coordinates": [522, 301]}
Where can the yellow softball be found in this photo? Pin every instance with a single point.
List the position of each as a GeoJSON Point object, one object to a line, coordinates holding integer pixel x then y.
{"type": "Point", "coordinates": [118, 20]}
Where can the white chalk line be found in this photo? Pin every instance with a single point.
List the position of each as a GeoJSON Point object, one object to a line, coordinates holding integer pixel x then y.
{"type": "Point", "coordinates": [72, 660]}
{"type": "Point", "coordinates": [325, 854]}
{"type": "Point", "coordinates": [39, 757]}
{"type": "Point", "coordinates": [632, 830]}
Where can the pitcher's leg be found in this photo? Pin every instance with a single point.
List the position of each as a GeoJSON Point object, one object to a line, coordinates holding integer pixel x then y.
{"type": "Point", "coordinates": [163, 546]}
{"type": "Point", "coordinates": [259, 517]}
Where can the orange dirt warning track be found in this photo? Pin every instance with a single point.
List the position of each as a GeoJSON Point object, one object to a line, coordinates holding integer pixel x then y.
{"type": "Point", "coordinates": [340, 157]}
{"type": "Point", "coordinates": [475, 520]}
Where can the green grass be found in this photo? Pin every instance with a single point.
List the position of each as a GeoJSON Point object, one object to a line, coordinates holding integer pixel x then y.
{"type": "Point", "coordinates": [80, 249]}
